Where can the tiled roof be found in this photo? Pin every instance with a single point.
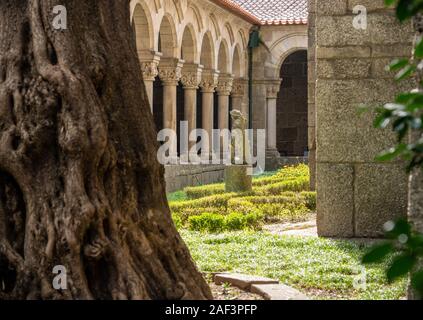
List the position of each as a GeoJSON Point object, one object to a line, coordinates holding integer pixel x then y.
{"type": "Point", "coordinates": [274, 12]}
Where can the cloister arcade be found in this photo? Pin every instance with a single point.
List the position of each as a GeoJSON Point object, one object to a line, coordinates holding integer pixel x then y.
{"type": "Point", "coordinates": [195, 63]}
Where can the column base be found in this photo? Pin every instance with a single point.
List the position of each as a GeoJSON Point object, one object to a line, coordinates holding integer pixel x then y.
{"type": "Point", "coordinates": [272, 159]}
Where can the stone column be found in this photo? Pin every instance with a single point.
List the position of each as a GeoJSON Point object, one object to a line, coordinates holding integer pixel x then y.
{"type": "Point", "coordinates": [224, 88]}
{"type": "Point", "coordinates": [239, 91]}
{"type": "Point", "coordinates": [191, 77]}
{"type": "Point", "coordinates": [149, 67]}
{"type": "Point", "coordinates": [272, 91]}
{"type": "Point", "coordinates": [208, 85]}
{"type": "Point", "coordinates": [170, 73]}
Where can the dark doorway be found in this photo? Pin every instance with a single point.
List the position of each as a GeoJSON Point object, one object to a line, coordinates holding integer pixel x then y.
{"type": "Point", "coordinates": [292, 106]}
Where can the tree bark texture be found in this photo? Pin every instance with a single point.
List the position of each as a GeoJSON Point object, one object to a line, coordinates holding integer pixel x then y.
{"type": "Point", "coordinates": [80, 185]}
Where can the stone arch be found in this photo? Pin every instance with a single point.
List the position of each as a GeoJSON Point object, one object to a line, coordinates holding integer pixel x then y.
{"type": "Point", "coordinates": [237, 65]}
{"type": "Point", "coordinates": [229, 30]}
{"type": "Point", "coordinates": [285, 46]}
{"type": "Point", "coordinates": [215, 25]}
{"type": "Point", "coordinates": [179, 11]}
{"type": "Point", "coordinates": [207, 57]}
{"type": "Point", "coordinates": [223, 57]}
{"type": "Point", "coordinates": [196, 15]}
{"type": "Point", "coordinates": [292, 105]}
{"type": "Point", "coordinates": [167, 41]}
{"type": "Point", "coordinates": [143, 26]}
{"type": "Point", "coordinates": [189, 45]}
{"type": "Point", "coordinates": [243, 39]}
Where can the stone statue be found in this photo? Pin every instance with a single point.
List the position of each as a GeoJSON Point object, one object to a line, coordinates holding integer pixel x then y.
{"type": "Point", "coordinates": [239, 142]}
{"type": "Point", "coordinates": [237, 178]}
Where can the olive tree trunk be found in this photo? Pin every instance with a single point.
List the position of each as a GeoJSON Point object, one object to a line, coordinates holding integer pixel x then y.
{"type": "Point", "coordinates": [80, 185]}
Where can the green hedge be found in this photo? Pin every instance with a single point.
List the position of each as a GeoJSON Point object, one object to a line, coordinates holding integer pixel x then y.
{"type": "Point", "coordinates": [295, 185]}
{"type": "Point", "coordinates": [214, 223]}
{"type": "Point", "coordinates": [282, 197]}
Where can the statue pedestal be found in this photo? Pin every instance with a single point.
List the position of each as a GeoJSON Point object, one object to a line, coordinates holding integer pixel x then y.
{"type": "Point", "coordinates": [237, 178]}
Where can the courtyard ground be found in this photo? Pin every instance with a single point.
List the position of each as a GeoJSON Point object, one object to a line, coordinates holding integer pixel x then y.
{"type": "Point", "coordinates": [279, 243]}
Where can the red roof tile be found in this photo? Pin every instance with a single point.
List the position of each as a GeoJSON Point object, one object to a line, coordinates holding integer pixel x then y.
{"type": "Point", "coordinates": [271, 12]}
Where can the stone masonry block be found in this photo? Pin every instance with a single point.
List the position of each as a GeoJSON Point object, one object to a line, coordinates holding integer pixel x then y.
{"type": "Point", "coordinates": [335, 200]}
{"type": "Point", "coordinates": [343, 52]}
{"type": "Point", "coordinates": [339, 30]}
{"type": "Point", "coordinates": [380, 194]}
{"type": "Point", "coordinates": [344, 68]}
{"type": "Point", "coordinates": [332, 7]}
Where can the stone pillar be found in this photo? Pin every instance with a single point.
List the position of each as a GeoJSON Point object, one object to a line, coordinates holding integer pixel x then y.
{"type": "Point", "coordinates": [170, 73]}
{"type": "Point", "coordinates": [149, 67]}
{"type": "Point", "coordinates": [356, 195]}
{"type": "Point", "coordinates": [208, 85]}
{"type": "Point", "coordinates": [191, 77]}
{"type": "Point", "coordinates": [271, 124]}
{"type": "Point", "coordinates": [224, 89]}
{"type": "Point", "coordinates": [238, 93]}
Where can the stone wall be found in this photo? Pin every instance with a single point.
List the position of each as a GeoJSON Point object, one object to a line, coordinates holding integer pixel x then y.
{"type": "Point", "coordinates": [180, 176]}
{"type": "Point", "coordinates": [356, 195]}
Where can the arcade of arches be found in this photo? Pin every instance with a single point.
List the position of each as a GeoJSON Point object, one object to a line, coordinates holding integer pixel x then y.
{"type": "Point", "coordinates": [195, 62]}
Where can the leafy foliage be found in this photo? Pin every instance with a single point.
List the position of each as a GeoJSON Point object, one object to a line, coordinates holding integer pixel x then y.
{"type": "Point", "coordinates": [408, 246]}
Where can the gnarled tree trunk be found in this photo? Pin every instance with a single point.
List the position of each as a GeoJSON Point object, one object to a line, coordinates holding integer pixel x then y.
{"type": "Point", "coordinates": [80, 185]}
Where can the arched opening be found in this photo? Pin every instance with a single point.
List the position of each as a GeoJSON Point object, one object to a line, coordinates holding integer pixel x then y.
{"type": "Point", "coordinates": [223, 67]}
{"type": "Point", "coordinates": [236, 63]}
{"type": "Point", "coordinates": [292, 106]}
{"type": "Point", "coordinates": [167, 38]}
{"type": "Point", "coordinates": [237, 72]}
{"type": "Point", "coordinates": [142, 29]}
{"type": "Point", "coordinates": [166, 46]}
{"type": "Point", "coordinates": [188, 48]}
{"type": "Point", "coordinates": [223, 58]}
{"type": "Point", "coordinates": [207, 52]}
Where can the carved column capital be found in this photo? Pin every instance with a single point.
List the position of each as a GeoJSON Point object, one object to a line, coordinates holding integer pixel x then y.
{"type": "Point", "coordinates": [225, 84]}
{"type": "Point", "coordinates": [272, 88]}
{"type": "Point", "coordinates": [239, 87]}
{"type": "Point", "coordinates": [149, 70]}
{"type": "Point", "coordinates": [149, 61]}
{"type": "Point", "coordinates": [209, 80]}
{"type": "Point", "coordinates": [170, 71]}
{"type": "Point", "coordinates": [191, 76]}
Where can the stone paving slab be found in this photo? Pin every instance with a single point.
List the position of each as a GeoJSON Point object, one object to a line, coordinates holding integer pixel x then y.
{"type": "Point", "coordinates": [242, 281]}
{"type": "Point", "coordinates": [277, 292]}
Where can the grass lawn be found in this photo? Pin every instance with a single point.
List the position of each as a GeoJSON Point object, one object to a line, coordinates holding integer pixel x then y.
{"type": "Point", "coordinates": [321, 268]}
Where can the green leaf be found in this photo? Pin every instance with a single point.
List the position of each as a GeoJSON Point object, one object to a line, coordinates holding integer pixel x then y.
{"type": "Point", "coordinates": [400, 267]}
{"type": "Point", "coordinates": [392, 153]}
{"type": "Point", "coordinates": [406, 72]}
{"type": "Point", "coordinates": [406, 97]}
{"type": "Point", "coordinates": [389, 2]}
{"type": "Point", "coordinates": [418, 52]}
{"type": "Point", "coordinates": [398, 64]}
{"type": "Point", "coordinates": [417, 281]}
{"type": "Point", "coordinates": [377, 253]}
{"type": "Point", "coordinates": [401, 227]}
